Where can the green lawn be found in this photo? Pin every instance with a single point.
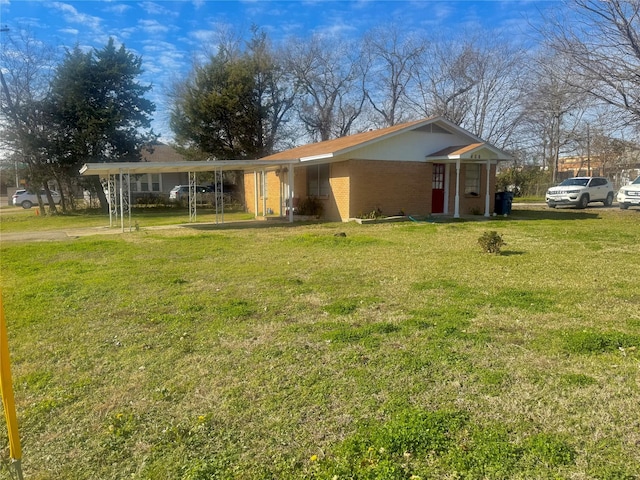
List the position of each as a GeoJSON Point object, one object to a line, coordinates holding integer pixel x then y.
{"type": "Point", "coordinates": [397, 351]}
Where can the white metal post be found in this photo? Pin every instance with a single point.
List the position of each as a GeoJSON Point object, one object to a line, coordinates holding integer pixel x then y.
{"type": "Point", "coordinates": [113, 198]}
{"type": "Point", "coordinates": [121, 201]}
{"type": "Point", "coordinates": [127, 187]}
{"type": "Point", "coordinates": [256, 190]}
{"type": "Point", "coordinates": [192, 196]}
{"type": "Point", "coordinates": [264, 194]}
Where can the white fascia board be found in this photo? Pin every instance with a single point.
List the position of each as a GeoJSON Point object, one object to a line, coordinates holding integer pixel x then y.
{"type": "Point", "coordinates": [317, 157]}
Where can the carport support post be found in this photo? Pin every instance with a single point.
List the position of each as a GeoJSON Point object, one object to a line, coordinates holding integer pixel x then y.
{"type": "Point", "coordinates": [256, 190]}
{"type": "Point", "coordinates": [487, 197]}
{"type": "Point", "coordinates": [192, 196]}
{"type": "Point", "coordinates": [264, 193]}
{"type": "Point", "coordinates": [125, 183]}
{"type": "Point", "coordinates": [113, 198]}
{"type": "Point", "coordinates": [121, 200]}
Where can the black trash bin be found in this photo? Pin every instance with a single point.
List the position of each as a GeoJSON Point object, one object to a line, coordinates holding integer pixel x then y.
{"type": "Point", "coordinates": [503, 201]}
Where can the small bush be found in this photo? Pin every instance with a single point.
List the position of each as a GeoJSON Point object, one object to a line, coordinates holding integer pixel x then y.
{"type": "Point", "coordinates": [372, 215]}
{"type": "Point", "coordinates": [491, 242]}
{"type": "Point", "coordinates": [310, 206]}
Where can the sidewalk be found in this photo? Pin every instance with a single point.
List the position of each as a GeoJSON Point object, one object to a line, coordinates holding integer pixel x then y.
{"type": "Point", "coordinates": [56, 235]}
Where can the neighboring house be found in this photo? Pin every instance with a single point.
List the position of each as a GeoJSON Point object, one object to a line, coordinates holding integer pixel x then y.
{"type": "Point", "coordinates": [158, 183]}
{"type": "Point", "coordinates": [424, 167]}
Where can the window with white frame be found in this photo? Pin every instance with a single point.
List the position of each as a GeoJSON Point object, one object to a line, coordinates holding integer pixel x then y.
{"type": "Point", "coordinates": [318, 180]}
{"type": "Point", "coordinates": [472, 177]}
{"type": "Point", "coordinates": [146, 182]}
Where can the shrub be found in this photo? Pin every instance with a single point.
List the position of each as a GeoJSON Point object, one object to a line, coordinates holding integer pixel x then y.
{"type": "Point", "coordinates": [310, 206]}
{"type": "Point", "coordinates": [491, 242]}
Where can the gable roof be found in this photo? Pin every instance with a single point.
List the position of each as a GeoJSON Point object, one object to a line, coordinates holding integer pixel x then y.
{"type": "Point", "coordinates": [162, 153]}
{"type": "Point", "coordinates": [338, 146]}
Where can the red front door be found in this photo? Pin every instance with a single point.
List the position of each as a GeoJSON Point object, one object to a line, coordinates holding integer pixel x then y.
{"type": "Point", "coordinates": [437, 188]}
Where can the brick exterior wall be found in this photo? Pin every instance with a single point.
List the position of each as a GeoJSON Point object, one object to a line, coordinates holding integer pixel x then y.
{"type": "Point", "coordinates": [359, 187]}
{"type": "Point", "coordinates": [392, 187]}
{"type": "Point", "coordinates": [273, 190]}
{"type": "Point", "coordinates": [470, 205]}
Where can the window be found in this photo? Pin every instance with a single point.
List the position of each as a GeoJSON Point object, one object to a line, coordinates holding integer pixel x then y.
{"type": "Point", "coordinates": [437, 179]}
{"type": "Point", "coordinates": [142, 182]}
{"type": "Point", "coordinates": [472, 179]}
{"type": "Point", "coordinates": [318, 180]}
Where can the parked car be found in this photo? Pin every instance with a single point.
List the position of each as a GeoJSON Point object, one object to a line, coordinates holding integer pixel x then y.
{"type": "Point", "coordinates": [27, 199]}
{"type": "Point", "coordinates": [180, 193]}
{"type": "Point", "coordinates": [629, 195]}
{"type": "Point", "coordinates": [580, 191]}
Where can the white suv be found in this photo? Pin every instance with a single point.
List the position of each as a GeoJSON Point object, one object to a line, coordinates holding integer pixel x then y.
{"type": "Point", "coordinates": [580, 191]}
{"type": "Point", "coordinates": [629, 195]}
{"type": "Point", "coordinates": [27, 199]}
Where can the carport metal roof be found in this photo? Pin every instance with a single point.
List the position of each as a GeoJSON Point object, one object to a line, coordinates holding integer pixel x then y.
{"type": "Point", "coordinates": [110, 170]}
{"type": "Point", "coordinates": [135, 168]}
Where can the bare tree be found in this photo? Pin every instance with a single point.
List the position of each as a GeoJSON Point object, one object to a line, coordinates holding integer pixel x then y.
{"type": "Point", "coordinates": [476, 83]}
{"type": "Point", "coordinates": [275, 91]}
{"type": "Point", "coordinates": [392, 61]}
{"type": "Point", "coordinates": [602, 41]}
{"type": "Point", "coordinates": [329, 75]}
{"type": "Point", "coordinates": [499, 69]}
{"type": "Point", "coordinates": [444, 78]}
{"type": "Point", "coordinates": [25, 79]}
{"type": "Point", "coordinates": [554, 107]}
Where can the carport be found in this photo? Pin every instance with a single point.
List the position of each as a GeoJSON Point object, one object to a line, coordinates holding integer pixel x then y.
{"type": "Point", "coordinates": [118, 182]}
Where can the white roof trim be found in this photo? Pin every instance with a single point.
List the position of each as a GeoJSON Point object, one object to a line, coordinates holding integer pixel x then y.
{"type": "Point", "coordinates": [317, 157]}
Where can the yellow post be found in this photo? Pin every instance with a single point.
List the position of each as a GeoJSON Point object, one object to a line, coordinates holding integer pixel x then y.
{"type": "Point", "coordinates": [6, 392]}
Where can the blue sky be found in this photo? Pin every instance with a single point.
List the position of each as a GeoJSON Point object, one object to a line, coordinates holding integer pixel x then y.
{"type": "Point", "coordinates": [168, 34]}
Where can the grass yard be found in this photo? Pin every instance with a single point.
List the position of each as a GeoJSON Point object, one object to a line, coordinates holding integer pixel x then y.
{"type": "Point", "coordinates": [398, 351]}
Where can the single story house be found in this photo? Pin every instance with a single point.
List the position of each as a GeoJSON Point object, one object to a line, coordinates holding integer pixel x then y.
{"type": "Point", "coordinates": [424, 167]}
{"type": "Point", "coordinates": [156, 183]}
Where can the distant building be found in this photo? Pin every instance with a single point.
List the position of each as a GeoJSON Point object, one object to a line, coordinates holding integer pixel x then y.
{"type": "Point", "coordinates": [620, 171]}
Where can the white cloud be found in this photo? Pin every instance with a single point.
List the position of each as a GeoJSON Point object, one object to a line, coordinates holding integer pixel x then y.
{"type": "Point", "coordinates": [69, 31]}
{"type": "Point", "coordinates": [153, 8]}
{"type": "Point", "coordinates": [71, 15]}
{"type": "Point", "coordinates": [153, 27]}
{"type": "Point", "coordinates": [119, 8]}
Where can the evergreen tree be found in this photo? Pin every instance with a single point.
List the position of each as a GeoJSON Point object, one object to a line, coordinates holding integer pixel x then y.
{"type": "Point", "coordinates": [99, 110]}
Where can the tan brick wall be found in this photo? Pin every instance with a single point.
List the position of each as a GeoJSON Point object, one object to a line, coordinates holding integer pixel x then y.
{"type": "Point", "coordinates": [249, 189]}
{"type": "Point", "coordinates": [470, 205]}
{"type": "Point", "coordinates": [336, 207]}
{"type": "Point", "coordinates": [274, 197]}
{"type": "Point", "coordinates": [358, 187]}
{"type": "Point", "coordinates": [392, 187]}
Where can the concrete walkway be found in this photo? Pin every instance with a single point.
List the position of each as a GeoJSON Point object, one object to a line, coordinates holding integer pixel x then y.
{"type": "Point", "coordinates": [57, 235]}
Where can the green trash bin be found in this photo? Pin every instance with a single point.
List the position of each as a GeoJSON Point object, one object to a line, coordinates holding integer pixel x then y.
{"type": "Point", "coordinates": [503, 201]}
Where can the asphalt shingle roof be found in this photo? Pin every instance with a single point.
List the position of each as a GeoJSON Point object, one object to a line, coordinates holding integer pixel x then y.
{"type": "Point", "coordinates": [341, 144]}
